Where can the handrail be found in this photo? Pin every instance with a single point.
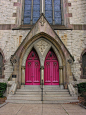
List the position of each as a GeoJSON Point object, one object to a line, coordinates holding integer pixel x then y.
{"type": "Point", "coordinates": [42, 91]}
{"type": "Point", "coordinates": [73, 91]}
{"type": "Point", "coordinates": [13, 88]}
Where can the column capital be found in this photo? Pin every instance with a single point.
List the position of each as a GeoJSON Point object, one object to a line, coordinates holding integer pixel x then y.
{"type": "Point", "coordinates": [23, 67]}
{"type": "Point", "coordinates": [42, 67]}
{"type": "Point", "coordinates": [60, 67]}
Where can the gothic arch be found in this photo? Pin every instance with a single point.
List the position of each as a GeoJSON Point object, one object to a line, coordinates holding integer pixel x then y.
{"type": "Point", "coordinates": [2, 63]}
{"type": "Point", "coordinates": [41, 55]}
{"type": "Point", "coordinates": [83, 64]}
{"type": "Point", "coordinates": [63, 55]}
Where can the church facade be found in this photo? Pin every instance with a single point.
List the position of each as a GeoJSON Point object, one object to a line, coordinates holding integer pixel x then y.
{"type": "Point", "coordinates": [43, 41]}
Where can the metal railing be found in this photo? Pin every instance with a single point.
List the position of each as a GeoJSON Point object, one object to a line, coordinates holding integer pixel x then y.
{"type": "Point", "coordinates": [42, 91]}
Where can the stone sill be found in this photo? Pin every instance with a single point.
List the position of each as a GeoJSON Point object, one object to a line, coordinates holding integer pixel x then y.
{"type": "Point", "coordinates": [55, 27]}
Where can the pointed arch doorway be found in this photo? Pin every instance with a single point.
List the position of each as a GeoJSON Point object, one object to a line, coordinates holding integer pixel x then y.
{"type": "Point", "coordinates": [51, 69]}
{"type": "Point", "coordinates": [32, 71]}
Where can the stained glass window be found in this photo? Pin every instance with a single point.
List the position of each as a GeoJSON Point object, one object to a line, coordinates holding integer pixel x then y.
{"type": "Point", "coordinates": [48, 10]}
{"type": "Point", "coordinates": [57, 12]}
{"type": "Point", "coordinates": [52, 11]}
{"type": "Point", "coordinates": [27, 11]}
{"type": "Point", "coordinates": [36, 10]}
{"type": "Point", "coordinates": [31, 8]}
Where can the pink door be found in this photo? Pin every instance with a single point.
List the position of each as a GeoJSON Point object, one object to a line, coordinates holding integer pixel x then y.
{"type": "Point", "coordinates": [51, 69]}
{"type": "Point", "coordinates": [32, 71]}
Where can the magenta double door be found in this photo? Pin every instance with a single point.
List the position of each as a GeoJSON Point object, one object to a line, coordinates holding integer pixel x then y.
{"type": "Point", "coordinates": [51, 69]}
{"type": "Point", "coordinates": [32, 71]}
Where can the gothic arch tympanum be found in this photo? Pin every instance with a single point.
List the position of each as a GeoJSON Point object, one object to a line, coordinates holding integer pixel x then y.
{"type": "Point", "coordinates": [32, 71]}
{"type": "Point", "coordinates": [42, 29]}
{"type": "Point", "coordinates": [42, 57]}
{"type": "Point", "coordinates": [51, 69]}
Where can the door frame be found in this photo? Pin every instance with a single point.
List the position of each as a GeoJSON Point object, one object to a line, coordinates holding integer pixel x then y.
{"type": "Point", "coordinates": [42, 59]}
{"type": "Point", "coordinates": [51, 60]}
{"type": "Point", "coordinates": [32, 62]}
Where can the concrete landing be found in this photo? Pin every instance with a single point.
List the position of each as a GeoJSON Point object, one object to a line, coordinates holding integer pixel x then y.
{"type": "Point", "coordinates": [42, 109]}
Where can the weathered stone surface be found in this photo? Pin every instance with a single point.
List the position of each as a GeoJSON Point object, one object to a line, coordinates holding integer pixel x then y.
{"type": "Point", "coordinates": [78, 10]}
{"type": "Point", "coordinates": [10, 40]}
{"type": "Point", "coordinates": [42, 45]}
{"type": "Point", "coordinates": [75, 42]}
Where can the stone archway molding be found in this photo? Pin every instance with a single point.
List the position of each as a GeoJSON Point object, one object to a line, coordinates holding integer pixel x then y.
{"type": "Point", "coordinates": [46, 33]}
{"type": "Point", "coordinates": [41, 57]}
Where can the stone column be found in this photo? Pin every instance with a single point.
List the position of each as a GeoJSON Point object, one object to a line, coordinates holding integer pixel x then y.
{"type": "Point", "coordinates": [14, 74]}
{"type": "Point", "coordinates": [42, 74]}
{"type": "Point", "coordinates": [23, 75]}
{"type": "Point", "coordinates": [69, 73]}
{"type": "Point", "coordinates": [61, 76]}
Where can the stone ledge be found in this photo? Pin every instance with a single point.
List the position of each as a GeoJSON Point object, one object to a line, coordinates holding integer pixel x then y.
{"type": "Point", "coordinates": [3, 104]}
{"type": "Point", "coordinates": [55, 27]}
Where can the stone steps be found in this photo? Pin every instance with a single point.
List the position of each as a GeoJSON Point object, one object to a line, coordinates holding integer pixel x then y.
{"type": "Point", "coordinates": [24, 101]}
{"type": "Point", "coordinates": [46, 98]}
{"type": "Point", "coordinates": [38, 97]}
{"type": "Point", "coordinates": [32, 97]}
{"type": "Point", "coordinates": [41, 102]}
{"type": "Point", "coordinates": [55, 90]}
{"type": "Point", "coordinates": [32, 94]}
{"type": "Point", "coordinates": [59, 101]}
{"type": "Point", "coordinates": [39, 92]}
{"type": "Point", "coordinates": [29, 90]}
{"type": "Point", "coordinates": [28, 93]}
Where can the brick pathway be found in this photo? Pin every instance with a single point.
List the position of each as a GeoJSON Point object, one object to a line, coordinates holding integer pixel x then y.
{"type": "Point", "coordinates": [42, 109]}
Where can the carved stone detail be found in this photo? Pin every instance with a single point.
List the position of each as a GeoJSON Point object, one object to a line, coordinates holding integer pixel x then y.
{"type": "Point", "coordinates": [42, 45]}
{"type": "Point", "coordinates": [13, 60]}
{"type": "Point", "coordinates": [42, 21]}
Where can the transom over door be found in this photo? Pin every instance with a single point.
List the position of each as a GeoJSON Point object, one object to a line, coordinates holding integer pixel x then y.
{"type": "Point", "coordinates": [32, 71]}
{"type": "Point", "coordinates": [51, 69]}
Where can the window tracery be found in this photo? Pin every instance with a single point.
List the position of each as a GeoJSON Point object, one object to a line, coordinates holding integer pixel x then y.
{"type": "Point", "coordinates": [50, 8]}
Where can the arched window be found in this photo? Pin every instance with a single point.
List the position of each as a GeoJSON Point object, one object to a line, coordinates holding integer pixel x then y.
{"type": "Point", "coordinates": [1, 65]}
{"type": "Point", "coordinates": [53, 11]}
{"type": "Point", "coordinates": [31, 11]}
{"type": "Point", "coordinates": [84, 64]}
{"type": "Point", "coordinates": [50, 8]}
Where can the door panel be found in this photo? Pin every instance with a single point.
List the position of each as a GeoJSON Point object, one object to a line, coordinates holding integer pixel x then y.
{"type": "Point", "coordinates": [32, 71]}
{"type": "Point", "coordinates": [36, 78]}
{"type": "Point", "coordinates": [47, 73]}
{"type": "Point", "coordinates": [51, 69]}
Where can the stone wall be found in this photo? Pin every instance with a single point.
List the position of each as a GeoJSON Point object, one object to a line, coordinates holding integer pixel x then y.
{"type": "Point", "coordinates": [75, 41]}
{"type": "Point", "coordinates": [9, 42]}
{"type": "Point", "coordinates": [78, 11]}
{"type": "Point", "coordinates": [7, 11]}
{"type": "Point", "coordinates": [10, 10]}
